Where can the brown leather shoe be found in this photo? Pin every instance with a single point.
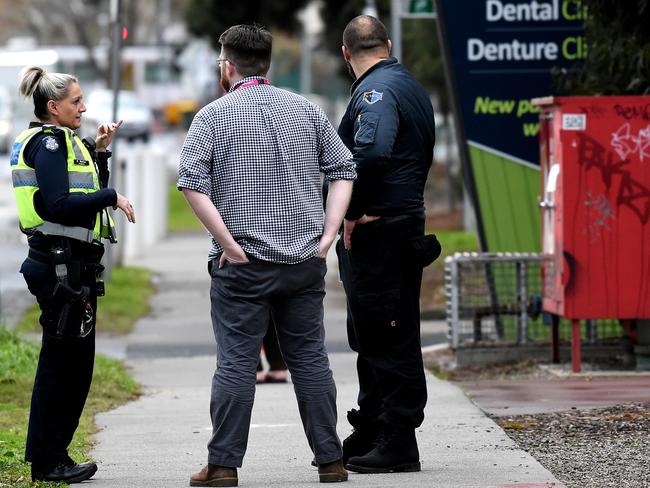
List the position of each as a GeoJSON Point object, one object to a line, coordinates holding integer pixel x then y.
{"type": "Point", "coordinates": [332, 472]}
{"type": "Point", "coordinates": [214, 475]}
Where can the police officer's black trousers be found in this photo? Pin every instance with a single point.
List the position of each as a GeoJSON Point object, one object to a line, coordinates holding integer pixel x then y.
{"type": "Point", "coordinates": [63, 375]}
{"type": "Point", "coordinates": [382, 284]}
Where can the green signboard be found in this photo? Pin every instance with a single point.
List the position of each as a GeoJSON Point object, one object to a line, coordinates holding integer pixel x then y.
{"type": "Point", "coordinates": [421, 7]}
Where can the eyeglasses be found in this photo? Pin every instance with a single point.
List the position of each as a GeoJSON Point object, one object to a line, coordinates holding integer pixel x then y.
{"type": "Point", "coordinates": [223, 60]}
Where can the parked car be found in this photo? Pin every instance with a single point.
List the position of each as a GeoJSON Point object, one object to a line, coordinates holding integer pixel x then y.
{"type": "Point", "coordinates": [6, 121]}
{"type": "Point", "coordinates": [137, 117]}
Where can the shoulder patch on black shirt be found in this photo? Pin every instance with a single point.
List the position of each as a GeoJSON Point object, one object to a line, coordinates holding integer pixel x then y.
{"type": "Point", "coordinates": [51, 144]}
{"type": "Point", "coordinates": [372, 97]}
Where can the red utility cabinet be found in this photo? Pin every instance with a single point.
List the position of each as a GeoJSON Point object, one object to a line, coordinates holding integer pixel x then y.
{"type": "Point", "coordinates": [595, 167]}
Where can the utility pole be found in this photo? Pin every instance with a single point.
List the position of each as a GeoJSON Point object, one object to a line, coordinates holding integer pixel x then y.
{"type": "Point", "coordinates": [396, 11]}
{"type": "Point", "coordinates": [417, 9]}
{"type": "Point", "coordinates": [370, 9]}
{"type": "Point", "coordinates": [116, 75]}
{"type": "Point", "coordinates": [116, 46]}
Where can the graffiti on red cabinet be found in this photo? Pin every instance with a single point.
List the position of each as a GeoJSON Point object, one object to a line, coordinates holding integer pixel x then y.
{"type": "Point", "coordinates": [633, 112]}
{"type": "Point", "coordinates": [603, 214]}
{"type": "Point", "coordinates": [626, 144]}
{"type": "Point", "coordinates": [592, 155]}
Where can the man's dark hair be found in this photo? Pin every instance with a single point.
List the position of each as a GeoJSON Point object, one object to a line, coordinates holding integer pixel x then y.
{"type": "Point", "coordinates": [248, 47]}
{"type": "Point", "coordinates": [365, 34]}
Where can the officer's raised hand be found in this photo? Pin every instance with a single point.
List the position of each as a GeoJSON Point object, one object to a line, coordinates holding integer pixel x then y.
{"type": "Point", "coordinates": [105, 133]}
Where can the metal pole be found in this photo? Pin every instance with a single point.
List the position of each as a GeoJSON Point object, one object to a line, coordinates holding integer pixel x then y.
{"type": "Point", "coordinates": [370, 9]}
{"type": "Point", "coordinates": [575, 346]}
{"type": "Point", "coordinates": [522, 300]}
{"type": "Point", "coordinates": [305, 55]}
{"type": "Point", "coordinates": [115, 11]}
{"type": "Point", "coordinates": [555, 339]}
{"type": "Point", "coordinates": [454, 289]}
{"type": "Point", "coordinates": [396, 28]}
{"type": "Point", "coordinates": [115, 55]}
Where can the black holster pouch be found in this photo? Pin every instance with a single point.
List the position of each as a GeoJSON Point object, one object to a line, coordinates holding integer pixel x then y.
{"type": "Point", "coordinates": [77, 316]}
{"type": "Point", "coordinates": [425, 249]}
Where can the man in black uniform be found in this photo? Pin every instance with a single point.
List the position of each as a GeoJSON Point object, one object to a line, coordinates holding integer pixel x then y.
{"type": "Point", "coordinates": [389, 127]}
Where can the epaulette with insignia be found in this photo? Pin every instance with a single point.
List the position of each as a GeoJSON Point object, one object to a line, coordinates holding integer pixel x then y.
{"type": "Point", "coordinates": [51, 144]}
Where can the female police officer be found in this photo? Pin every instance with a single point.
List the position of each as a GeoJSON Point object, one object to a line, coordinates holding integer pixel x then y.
{"type": "Point", "coordinates": [60, 186]}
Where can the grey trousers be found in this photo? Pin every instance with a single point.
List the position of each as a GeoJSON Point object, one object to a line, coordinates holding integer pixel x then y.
{"type": "Point", "coordinates": [242, 297]}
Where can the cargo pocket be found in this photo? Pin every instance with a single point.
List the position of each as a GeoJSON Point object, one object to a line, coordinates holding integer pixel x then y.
{"type": "Point", "coordinates": [424, 250]}
{"type": "Point", "coordinates": [366, 128]}
{"type": "Point", "coordinates": [378, 321]}
{"type": "Point", "coordinates": [40, 278]}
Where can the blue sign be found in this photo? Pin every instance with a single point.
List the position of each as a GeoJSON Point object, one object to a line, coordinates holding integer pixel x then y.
{"type": "Point", "coordinates": [502, 53]}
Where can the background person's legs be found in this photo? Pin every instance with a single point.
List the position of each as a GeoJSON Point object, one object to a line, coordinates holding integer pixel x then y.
{"type": "Point", "coordinates": [277, 367]}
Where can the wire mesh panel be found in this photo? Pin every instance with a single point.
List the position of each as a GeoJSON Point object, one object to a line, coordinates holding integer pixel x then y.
{"type": "Point", "coordinates": [497, 298]}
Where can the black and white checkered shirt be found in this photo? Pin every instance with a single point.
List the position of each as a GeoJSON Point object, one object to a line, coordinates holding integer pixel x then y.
{"type": "Point", "coordinates": [258, 152]}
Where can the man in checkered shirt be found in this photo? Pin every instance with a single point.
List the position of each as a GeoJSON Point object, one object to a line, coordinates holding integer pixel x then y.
{"type": "Point", "coordinates": [250, 169]}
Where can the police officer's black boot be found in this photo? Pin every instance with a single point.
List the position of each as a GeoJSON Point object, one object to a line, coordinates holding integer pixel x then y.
{"type": "Point", "coordinates": [396, 450]}
{"type": "Point", "coordinates": [363, 437]}
{"type": "Point", "coordinates": [64, 472]}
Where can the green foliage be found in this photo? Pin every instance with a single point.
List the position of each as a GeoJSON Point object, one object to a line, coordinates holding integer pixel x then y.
{"type": "Point", "coordinates": [126, 300]}
{"type": "Point", "coordinates": [112, 386]}
{"type": "Point", "coordinates": [212, 17]}
{"type": "Point", "coordinates": [337, 13]}
{"type": "Point", "coordinates": [421, 53]}
{"type": "Point", "coordinates": [180, 217]}
{"type": "Point", "coordinates": [422, 56]}
{"type": "Point", "coordinates": [618, 60]}
{"type": "Point", "coordinates": [420, 48]}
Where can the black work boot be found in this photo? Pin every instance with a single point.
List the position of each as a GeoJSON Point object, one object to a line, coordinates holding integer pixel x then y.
{"type": "Point", "coordinates": [363, 437]}
{"type": "Point", "coordinates": [395, 451]}
{"type": "Point", "coordinates": [64, 472]}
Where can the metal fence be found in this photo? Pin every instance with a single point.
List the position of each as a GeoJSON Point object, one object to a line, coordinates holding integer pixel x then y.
{"type": "Point", "coordinates": [497, 298]}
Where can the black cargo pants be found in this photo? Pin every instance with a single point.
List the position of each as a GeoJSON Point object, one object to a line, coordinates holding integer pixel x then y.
{"type": "Point", "coordinates": [64, 372]}
{"type": "Point", "coordinates": [382, 284]}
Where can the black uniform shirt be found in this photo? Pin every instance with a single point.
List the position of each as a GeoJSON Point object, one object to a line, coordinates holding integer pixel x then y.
{"type": "Point", "coordinates": [53, 201]}
{"type": "Point", "coordinates": [389, 127]}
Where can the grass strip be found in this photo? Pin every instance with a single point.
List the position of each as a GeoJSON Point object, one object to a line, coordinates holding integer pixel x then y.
{"type": "Point", "coordinates": [112, 386]}
{"type": "Point", "coordinates": [126, 300]}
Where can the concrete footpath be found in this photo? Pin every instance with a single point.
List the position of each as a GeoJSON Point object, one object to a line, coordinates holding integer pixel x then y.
{"type": "Point", "coordinates": [160, 439]}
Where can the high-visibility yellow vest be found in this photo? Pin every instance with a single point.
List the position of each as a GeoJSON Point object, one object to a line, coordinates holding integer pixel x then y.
{"type": "Point", "coordinates": [83, 177]}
